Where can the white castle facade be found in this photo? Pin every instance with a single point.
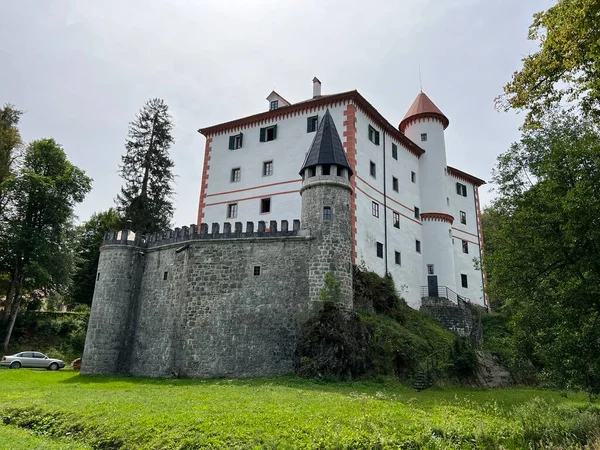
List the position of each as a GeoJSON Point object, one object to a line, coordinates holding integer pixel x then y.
{"type": "Point", "coordinates": [412, 215]}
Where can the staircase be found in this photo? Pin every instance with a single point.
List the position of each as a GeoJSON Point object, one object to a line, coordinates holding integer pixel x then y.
{"type": "Point", "coordinates": [426, 372]}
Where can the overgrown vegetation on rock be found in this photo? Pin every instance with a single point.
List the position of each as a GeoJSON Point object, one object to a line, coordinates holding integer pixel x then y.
{"type": "Point", "coordinates": [383, 336]}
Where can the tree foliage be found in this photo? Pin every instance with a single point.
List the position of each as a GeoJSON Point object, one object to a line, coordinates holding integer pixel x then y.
{"type": "Point", "coordinates": [36, 246]}
{"type": "Point", "coordinates": [565, 68]}
{"type": "Point", "coordinates": [10, 142]}
{"type": "Point", "coordinates": [146, 168]}
{"type": "Point", "coordinates": [89, 237]}
{"type": "Point", "coordinates": [543, 250]}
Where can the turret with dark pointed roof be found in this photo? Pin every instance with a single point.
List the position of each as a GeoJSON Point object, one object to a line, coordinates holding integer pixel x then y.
{"type": "Point", "coordinates": [326, 147]}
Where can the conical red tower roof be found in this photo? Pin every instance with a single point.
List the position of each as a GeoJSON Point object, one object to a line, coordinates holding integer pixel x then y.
{"type": "Point", "coordinates": [423, 107]}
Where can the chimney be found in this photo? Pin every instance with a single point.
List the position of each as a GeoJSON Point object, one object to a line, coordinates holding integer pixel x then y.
{"type": "Point", "coordinates": [316, 87]}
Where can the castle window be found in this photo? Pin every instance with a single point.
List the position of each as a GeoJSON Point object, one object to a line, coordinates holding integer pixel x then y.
{"type": "Point", "coordinates": [326, 169]}
{"type": "Point", "coordinates": [373, 169]}
{"type": "Point", "coordinates": [418, 246]}
{"type": "Point", "coordinates": [423, 137]}
{"type": "Point", "coordinates": [340, 171]}
{"type": "Point", "coordinates": [379, 250]}
{"type": "Point", "coordinates": [256, 271]}
{"type": "Point", "coordinates": [327, 213]}
{"type": "Point", "coordinates": [274, 105]}
{"type": "Point", "coordinates": [395, 184]}
{"type": "Point", "coordinates": [98, 277]}
{"type": "Point", "coordinates": [448, 201]}
{"type": "Point", "coordinates": [413, 177]}
{"type": "Point", "coordinates": [461, 189]}
{"type": "Point", "coordinates": [430, 270]}
{"type": "Point", "coordinates": [311, 124]}
{"type": "Point", "coordinates": [417, 213]}
{"type": "Point", "coordinates": [397, 258]}
{"type": "Point", "coordinates": [463, 217]}
{"type": "Point", "coordinates": [373, 135]}
{"type": "Point", "coordinates": [375, 209]}
{"type": "Point", "coordinates": [265, 205]}
{"type": "Point", "coordinates": [236, 175]}
{"type": "Point", "coordinates": [268, 133]}
{"type": "Point", "coordinates": [465, 247]}
{"type": "Point", "coordinates": [235, 142]}
{"type": "Point", "coordinates": [396, 219]}
{"type": "Point", "coordinates": [232, 210]}
{"type": "Point", "coordinates": [394, 151]}
{"type": "Point", "coordinates": [166, 276]}
{"type": "Point", "coordinates": [463, 280]}
{"type": "Point", "coordinates": [268, 168]}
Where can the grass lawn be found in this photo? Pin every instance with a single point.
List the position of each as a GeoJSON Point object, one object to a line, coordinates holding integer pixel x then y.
{"type": "Point", "coordinates": [136, 413]}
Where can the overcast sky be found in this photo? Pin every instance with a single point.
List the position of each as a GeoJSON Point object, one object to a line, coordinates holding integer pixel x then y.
{"type": "Point", "coordinates": [82, 69]}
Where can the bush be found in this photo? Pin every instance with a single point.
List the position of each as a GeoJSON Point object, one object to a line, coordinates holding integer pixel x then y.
{"type": "Point", "coordinates": [332, 345]}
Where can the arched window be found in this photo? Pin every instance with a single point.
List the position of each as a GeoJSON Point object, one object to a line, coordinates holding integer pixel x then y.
{"type": "Point", "coordinates": [327, 213]}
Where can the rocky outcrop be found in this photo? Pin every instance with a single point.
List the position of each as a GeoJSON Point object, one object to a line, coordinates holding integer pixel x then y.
{"type": "Point", "coordinates": [490, 373]}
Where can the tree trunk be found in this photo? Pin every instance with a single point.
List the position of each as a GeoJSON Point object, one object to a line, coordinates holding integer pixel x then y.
{"type": "Point", "coordinates": [10, 298]}
{"type": "Point", "coordinates": [14, 310]}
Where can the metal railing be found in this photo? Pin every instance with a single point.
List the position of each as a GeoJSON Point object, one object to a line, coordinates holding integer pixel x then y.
{"type": "Point", "coordinates": [443, 292]}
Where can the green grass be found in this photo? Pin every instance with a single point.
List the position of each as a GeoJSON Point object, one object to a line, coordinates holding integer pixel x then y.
{"type": "Point", "coordinates": [136, 413]}
{"type": "Point", "coordinates": [14, 438]}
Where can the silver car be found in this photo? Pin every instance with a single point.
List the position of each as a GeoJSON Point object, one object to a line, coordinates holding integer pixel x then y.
{"type": "Point", "coordinates": [31, 359]}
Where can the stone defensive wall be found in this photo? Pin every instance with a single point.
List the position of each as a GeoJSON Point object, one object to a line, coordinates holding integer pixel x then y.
{"type": "Point", "coordinates": [194, 303]}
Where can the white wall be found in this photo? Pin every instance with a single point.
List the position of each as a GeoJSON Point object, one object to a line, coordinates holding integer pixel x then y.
{"type": "Point", "coordinates": [370, 229]}
{"type": "Point", "coordinates": [287, 153]}
{"type": "Point", "coordinates": [464, 262]}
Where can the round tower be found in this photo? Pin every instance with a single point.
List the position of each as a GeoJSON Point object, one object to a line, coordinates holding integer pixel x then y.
{"type": "Point", "coordinates": [117, 282]}
{"type": "Point", "coordinates": [424, 124]}
{"type": "Point", "coordinates": [326, 194]}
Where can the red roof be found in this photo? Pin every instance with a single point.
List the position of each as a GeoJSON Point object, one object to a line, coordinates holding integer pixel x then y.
{"type": "Point", "coordinates": [423, 107]}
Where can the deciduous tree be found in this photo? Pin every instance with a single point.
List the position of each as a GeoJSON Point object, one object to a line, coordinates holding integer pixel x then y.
{"type": "Point", "coordinates": [10, 142]}
{"type": "Point", "coordinates": [89, 238]}
{"type": "Point", "coordinates": [543, 250]}
{"type": "Point", "coordinates": [566, 68]}
{"type": "Point", "coordinates": [45, 191]}
{"type": "Point", "coordinates": [146, 168]}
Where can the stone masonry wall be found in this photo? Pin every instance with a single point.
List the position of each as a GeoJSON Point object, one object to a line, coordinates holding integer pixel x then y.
{"type": "Point", "coordinates": [117, 282]}
{"type": "Point", "coordinates": [332, 251]}
{"type": "Point", "coordinates": [458, 318]}
{"type": "Point", "coordinates": [213, 317]}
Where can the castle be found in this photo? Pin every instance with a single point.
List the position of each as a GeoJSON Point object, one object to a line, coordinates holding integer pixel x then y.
{"type": "Point", "coordinates": [195, 302]}
{"type": "Point", "coordinates": [412, 215]}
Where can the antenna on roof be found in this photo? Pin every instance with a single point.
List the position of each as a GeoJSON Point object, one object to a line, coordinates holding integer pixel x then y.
{"type": "Point", "coordinates": [420, 80]}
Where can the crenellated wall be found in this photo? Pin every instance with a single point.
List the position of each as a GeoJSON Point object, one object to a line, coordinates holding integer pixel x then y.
{"type": "Point", "coordinates": [190, 303]}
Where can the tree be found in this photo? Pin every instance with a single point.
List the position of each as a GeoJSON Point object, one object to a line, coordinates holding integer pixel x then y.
{"type": "Point", "coordinates": [10, 141]}
{"type": "Point", "coordinates": [36, 243]}
{"type": "Point", "coordinates": [89, 238]}
{"type": "Point", "coordinates": [566, 67]}
{"type": "Point", "coordinates": [543, 252]}
{"type": "Point", "coordinates": [146, 168]}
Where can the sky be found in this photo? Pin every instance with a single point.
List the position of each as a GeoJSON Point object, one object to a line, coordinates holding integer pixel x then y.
{"type": "Point", "coordinates": [81, 70]}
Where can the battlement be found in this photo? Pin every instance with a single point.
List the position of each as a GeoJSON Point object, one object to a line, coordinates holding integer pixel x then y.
{"type": "Point", "coordinates": [193, 233]}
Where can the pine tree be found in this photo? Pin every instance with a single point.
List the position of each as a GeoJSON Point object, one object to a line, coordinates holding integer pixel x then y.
{"type": "Point", "coordinates": [145, 200]}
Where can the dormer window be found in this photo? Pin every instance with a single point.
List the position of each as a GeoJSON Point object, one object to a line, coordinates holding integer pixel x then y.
{"type": "Point", "coordinates": [274, 105]}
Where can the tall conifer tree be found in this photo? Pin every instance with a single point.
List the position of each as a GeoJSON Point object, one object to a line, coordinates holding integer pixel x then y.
{"type": "Point", "coordinates": [146, 197]}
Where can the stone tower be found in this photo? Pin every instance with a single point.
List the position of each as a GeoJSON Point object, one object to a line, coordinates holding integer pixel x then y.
{"type": "Point", "coordinates": [326, 195]}
{"type": "Point", "coordinates": [118, 279]}
{"type": "Point", "coordinates": [424, 123]}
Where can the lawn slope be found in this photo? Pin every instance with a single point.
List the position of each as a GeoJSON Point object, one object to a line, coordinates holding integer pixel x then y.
{"type": "Point", "coordinates": [112, 413]}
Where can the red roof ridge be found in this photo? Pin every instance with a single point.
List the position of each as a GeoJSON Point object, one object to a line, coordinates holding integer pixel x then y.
{"type": "Point", "coordinates": [465, 176]}
{"type": "Point", "coordinates": [322, 100]}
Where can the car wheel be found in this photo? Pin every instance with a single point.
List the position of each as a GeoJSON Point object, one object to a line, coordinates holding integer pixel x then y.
{"type": "Point", "coordinates": [15, 365]}
{"type": "Point", "coordinates": [53, 366]}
